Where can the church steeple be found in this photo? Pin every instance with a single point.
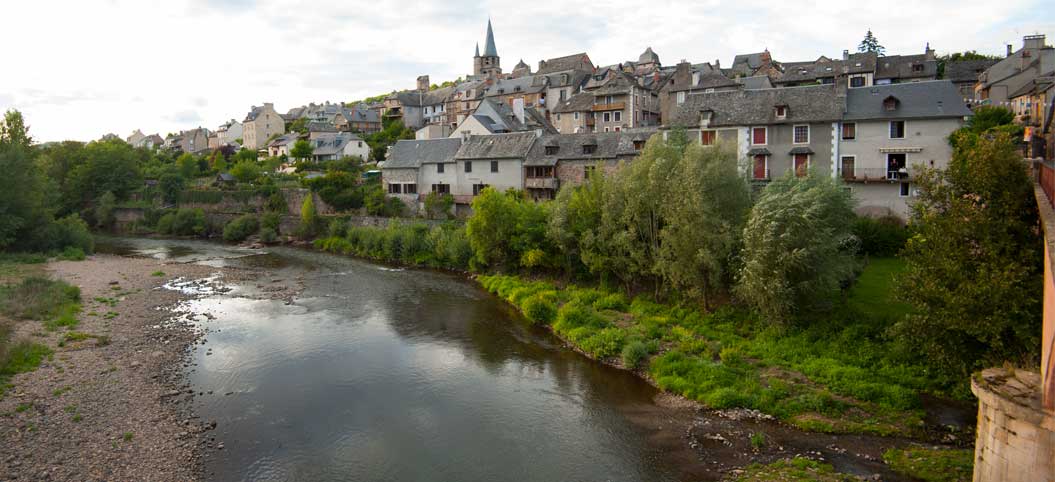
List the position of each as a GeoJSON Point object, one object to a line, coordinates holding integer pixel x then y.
{"type": "Point", "coordinates": [477, 49]}
{"type": "Point", "coordinates": [489, 47]}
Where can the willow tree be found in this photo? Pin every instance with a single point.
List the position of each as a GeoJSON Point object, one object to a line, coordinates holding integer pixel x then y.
{"type": "Point", "coordinates": [798, 246]}
{"type": "Point", "coordinates": [708, 202]}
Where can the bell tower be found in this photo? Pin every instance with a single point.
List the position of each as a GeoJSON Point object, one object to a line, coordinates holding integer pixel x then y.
{"type": "Point", "coordinates": [488, 64]}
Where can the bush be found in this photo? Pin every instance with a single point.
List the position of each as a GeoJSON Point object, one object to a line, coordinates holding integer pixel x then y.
{"type": "Point", "coordinates": [240, 228]}
{"type": "Point", "coordinates": [268, 235]}
{"type": "Point", "coordinates": [37, 298]}
{"type": "Point", "coordinates": [183, 222]}
{"type": "Point", "coordinates": [882, 237]}
{"type": "Point", "coordinates": [614, 301]}
{"type": "Point", "coordinates": [634, 353]}
{"type": "Point", "coordinates": [72, 253]}
{"type": "Point", "coordinates": [604, 343]}
{"type": "Point", "coordinates": [540, 307]}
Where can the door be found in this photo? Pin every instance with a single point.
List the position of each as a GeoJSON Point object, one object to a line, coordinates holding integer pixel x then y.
{"type": "Point", "coordinates": [802, 162]}
{"type": "Point", "coordinates": [760, 167]}
{"type": "Point", "coordinates": [848, 167]}
{"type": "Point", "coordinates": [895, 163]}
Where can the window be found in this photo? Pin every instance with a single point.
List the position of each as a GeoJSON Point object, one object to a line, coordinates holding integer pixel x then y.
{"type": "Point", "coordinates": [468, 166]}
{"type": "Point", "coordinates": [589, 148]}
{"type": "Point", "coordinates": [576, 116]}
{"type": "Point", "coordinates": [638, 145]}
{"type": "Point", "coordinates": [618, 116]}
{"type": "Point", "coordinates": [607, 99]}
{"type": "Point", "coordinates": [588, 171]}
{"type": "Point", "coordinates": [681, 97]}
{"type": "Point", "coordinates": [782, 111]}
{"type": "Point", "coordinates": [441, 188]}
{"type": "Point", "coordinates": [801, 134]}
{"type": "Point", "coordinates": [897, 129]}
{"type": "Point", "coordinates": [617, 128]}
{"type": "Point", "coordinates": [857, 81]}
{"type": "Point", "coordinates": [707, 137]}
{"type": "Point", "coordinates": [761, 167]}
{"type": "Point", "coordinates": [758, 135]}
{"type": "Point", "coordinates": [494, 166]}
{"type": "Point", "coordinates": [607, 116]}
{"type": "Point", "coordinates": [606, 129]}
{"type": "Point", "coordinates": [917, 67]}
{"type": "Point", "coordinates": [394, 188]}
{"type": "Point", "coordinates": [849, 131]}
{"type": "Point", "coordinates": [558, 117]}
{"type": "Point", "coordinates": [563, 95]}
{"type": "Point", "coordinates": [410, 189]}
{"type": "Point", "coordinates": [904, 189]}
{"type": "Point", "coordinates": [439, 168]}
{"type": "Point", "coordinates": [896, 163]}
{"type": "Point", "coordinates": [552, 150]}
{"type": "Point", "coordinates": [477, 188]}
{"type": "Point", "coordinates": [890, 103]}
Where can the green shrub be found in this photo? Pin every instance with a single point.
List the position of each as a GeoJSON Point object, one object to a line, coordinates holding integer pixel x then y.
{"type": "Point", "coordinates": [634, 354]}
{"type": "Point", "coordinates": [271, 220]}
{"type": "Point", "coordinates": [241, 228]}
{"type": "Point", "coordinates": [23, 356]}
{"type": "Point", "coordinates": [183, 222]}
{"type": "Point", "coordinates": [881, 237]}
{"type": "Point", "coordinates": [614, 301]}
{"type": "Point", "coordinates": [540, 307]}
{"type": "Point", "coordinates": [72, 253]}
{"type": "Point", "coordinates": [931, 465]}
{"type": "Point", "coordinates": [268, 235]}
{"type": "Point", "coordinates": [604, 343]}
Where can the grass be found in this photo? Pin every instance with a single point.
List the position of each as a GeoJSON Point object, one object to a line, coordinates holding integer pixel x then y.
{"type": "Point", "coordinates": [22, 407]}
{"type": "Point", "coordinates": [838, 375]}
{"type": "Point", "coordinates": [158, 274]}
{"type": "Point", "coordinates": [127, 436]}
{"type": "Point", "coordinates": [932, 464]}
{"type": "Point", "coordinates": [796, 469]}
{"type": "Point", "coordinates": [37, 298]}
{"type": "Point", "coordinates": [76, 336]}
{"type": "Point", "coordinates": [758, 440]}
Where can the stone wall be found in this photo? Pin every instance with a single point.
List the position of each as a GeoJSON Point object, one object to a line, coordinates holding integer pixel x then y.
{"type": "Point", "coordinates": [1015, 438]}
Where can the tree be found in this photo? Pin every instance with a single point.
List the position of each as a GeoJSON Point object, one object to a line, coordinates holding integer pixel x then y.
{"type": "Point", "coordinates": [170, 184]}
{"type": "Point", "coordinates": [704, 221]}
{"type": "Point", "coordinates": [244, 154]}
{"type": "Point", "coordinates": [301, 150]}
{"type": "Point", "coordinates": [299, 126]}
{"type": "Point", "coordinates": [13, 129]}
{"type": "Point", "coordinates": [945, 60]}
{"type": "Point", "coordinates": [974, 261]}
{"type": "Point", "coordinates": [987, 119]}
{"type": "Point", "coordinates": [503, 228]}
{"type": "Point", "coordinates": [798, 246]}
{"type": "Point", "coordinates": [110, 165]}
{"type": "Point", "coordinates": [188, 165]}
{"type": "Point", "coordinates": [438, 206]}
{"type": "Point", "coordinates": [871, 44]}
{"type": "Point", "coordinates": [104, 210]}
{"type": "Point", "coordinates": [22, 200]}
{"type": "Point", "coordinates": [309, 217]}
{"type": "Point", "coordinates": [246, 171]}
{"type": "Point", "coordinates": [574, 221]}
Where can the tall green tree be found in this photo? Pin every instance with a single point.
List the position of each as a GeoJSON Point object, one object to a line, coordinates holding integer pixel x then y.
{"type": "Point", "coordinates": [22, 201]}
{"type": "Point", "coordinates": [798, 247]}
{"type": "Point", "coordinates": [871, 44]}
{"type": "Point", "coordinates": [974, 262]}
{"type": "Point", "coordinates": [708, 203]}
{"type": "Point", "coordinates": [301, 150]}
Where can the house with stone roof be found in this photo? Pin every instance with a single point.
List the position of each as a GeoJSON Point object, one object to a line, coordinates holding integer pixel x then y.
{"type": "Point", "coordinates": [574, 115]}
{"type": "Point", "coordinates": [688, 78]}
{"type": "Point", "coordinates": [964, 74]}
{"type": "Point", "coordinates": [358, 118]}
{"type": "Point", "coordinates": [889, 130]}
{"type": "Point", "coordinates": [494, 117]}
{"type": "Point", "coordinates": [425, 163]}
{"type": "Point", "coordinates": [463, 101]}
{"type": "Point", "coordinates": [569, 159]}
{"type": "Point", "coordinates": [622, 101]}
{"type": "Point", "coordinates": [998, 82]}
{"type": "Point", "coordinates": [333, 146]}
{"type": "Point", "coordinates": [260, 124]}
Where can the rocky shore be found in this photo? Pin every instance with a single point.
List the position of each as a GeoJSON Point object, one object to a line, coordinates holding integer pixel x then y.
{"type": "Point", "coordinates": [112, 404]}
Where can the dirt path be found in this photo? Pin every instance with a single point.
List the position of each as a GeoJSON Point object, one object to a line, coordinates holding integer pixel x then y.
{"type": "Point", "coordinates": [114, 407]}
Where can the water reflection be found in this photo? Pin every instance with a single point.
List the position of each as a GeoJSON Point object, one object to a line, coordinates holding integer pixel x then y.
{"type": "Point", "coordinates": [402, 375]}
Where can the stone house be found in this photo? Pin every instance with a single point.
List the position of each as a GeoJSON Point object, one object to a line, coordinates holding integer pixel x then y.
{"type": "Point", "coordinates": [358, 118]}
{"type": "Point", "coordinates": [1019, 68]}
{"type": "Point", "coordinates": [416, 167]}
{"type": "Point", "coordinates": [494, 117]}
{"type": "Point", "coordinates": [776, 131]}
{"type": "Point", "coordinates": [531, 90]}
{"type": "Point", "coordinates": [889, 130]}
{"type": "Point", "coordinates": [260, 124]}
{"type": "Point", "coordinates": [194, 141]}
{"type": "Point", "coordinates": [567, 159]}
{"type": "Point", "coordinates": [229, 132]}
{"type": "Point", "coordinates": [463, 101]}
{"type": "Point", "coordinates": [964, 74]}
{"type": "Point", "coordinates": [337, 145]}
{"type": "Point", "coordinates": [282, 145]}
{"type": "Point", "coordinates": [135, 138]}
{"type": "Point", "coordinates": [621, 101]}
{"type": "Point", "coordinates": [574, 115]}
{"type": "Point", "coordinates": [490, 161]}
{"type": "Point", "coordinates": [688, 78]}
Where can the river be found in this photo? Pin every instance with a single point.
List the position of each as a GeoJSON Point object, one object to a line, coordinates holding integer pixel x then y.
{"type": "Point", "coordinates": [376, 373]}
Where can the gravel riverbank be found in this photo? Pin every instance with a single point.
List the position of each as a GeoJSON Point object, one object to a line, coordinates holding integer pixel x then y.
{"type": "Point", "coordinates": [113, 405]}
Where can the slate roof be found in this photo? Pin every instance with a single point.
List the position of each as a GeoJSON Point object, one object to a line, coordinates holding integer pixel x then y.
{"type": "Point", "coordinates": [284, 139]}
{"type": "Point", "coordinates": [333, 143]}
{"type": "Point", "coordinates": [507, 121]}
{"type": "Point", "coordinates": [815, 103]}
{"type": "Point", "coordinates": [525, 84]}
{"type": "Point", "coordinates": [917, 100]}
{"type": "Point", "coordinates": [1034, 86]}
{"type": "Point", "coordinates": [967, 70]}
{"type": "Point", "coordinates": [582, 101]}
{"type": "Point", "coordinates": [556, 79]}
{"type": "Point", "coordinates": [568, 62]}
{"type": "Point", "coordinates": [648, 56]}
{"type": "Point", "coordinates": [900, 67]}
{"type": "Point", "coordinates": [253, 113]}
{"type": "Point", "coordinates": [360, 113]}
{"type": "Point", "coordinates": [411, 154]}
{"type": "Point", "coordinates": [610, 145]}
{"type": "Point", "coordinates": [746, 64]}
{"type": "Point", "coordinates": [756, 82]}
{"type": "Point", "coordinates": [321, 127]}
{"type": "Point", "coordinates": [489, 46]}
{"type": "Point", "coordinates": [497, 146]}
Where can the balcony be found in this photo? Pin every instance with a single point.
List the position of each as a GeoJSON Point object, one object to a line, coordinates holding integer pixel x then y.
{"type": "Point", "coordinates": [541, 183]}
{"type": "Point", "coordinates": [612, 106]}
{"type": "Point", "coordinates": [875, 174]}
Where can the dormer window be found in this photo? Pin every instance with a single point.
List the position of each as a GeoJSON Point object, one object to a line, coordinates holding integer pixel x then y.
{"type": "Point", "coordinates": [782, 111]}
{"type": "Point", "coordinates": [890, 103]}
{"type": "Point", "coordinates": [638, 145]}
{"type": "Point", "coordinates": [589, 148]}
{"type": "Point", "coordinates": [552, 150]}
{"type": "Point", "coordinates": [705, 117]}
{"type": "Point", "coordinates": [917, 67]}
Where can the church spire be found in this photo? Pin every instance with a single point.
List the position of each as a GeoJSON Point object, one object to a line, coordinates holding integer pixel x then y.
{"type": "Point", "coordinates": [477, 49]}
{"type": "Point", "coordinates": [489, 47]}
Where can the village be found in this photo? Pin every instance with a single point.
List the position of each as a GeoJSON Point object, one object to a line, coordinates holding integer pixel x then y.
{"type": "Point", "coordinates": [864, 117]}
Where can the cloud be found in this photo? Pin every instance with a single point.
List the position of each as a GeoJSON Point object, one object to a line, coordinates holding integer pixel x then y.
{"type": "Point", "coordinates": [205, 61]}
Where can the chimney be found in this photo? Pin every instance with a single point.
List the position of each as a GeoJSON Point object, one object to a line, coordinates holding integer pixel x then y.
{"type": "Point", "coordinates": [682, 74]}
{"type": "Point", "coordinates": [518, 109]}
{"type": "Point", "coordinates": [765, 56]}
{"type": "Point", "coordinates": [1033, 42]}
{"type": "Point", "coordinates": [846, 55]}
{"type": "Point", "coordinates": [717, 64]}
{"type": "Point", "coordinates": [1009, 51]}
{"type": "Point", "coordinates": [423, 83]}
{"type": "Point", "coordinates": [928, 52]}
{"type": "Point", "coordinates": [541, 65]}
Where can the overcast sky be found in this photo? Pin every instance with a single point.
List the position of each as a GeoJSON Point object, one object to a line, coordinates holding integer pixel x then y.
{"type": "Point", "coordinates": [79, 69]}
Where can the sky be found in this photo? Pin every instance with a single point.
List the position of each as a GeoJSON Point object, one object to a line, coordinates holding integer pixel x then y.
{"type": "Point", "coordinates": [80, 69]}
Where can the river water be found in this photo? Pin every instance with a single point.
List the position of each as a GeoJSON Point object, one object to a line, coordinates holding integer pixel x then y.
{"type": "Point", "coordinates": [375, 373]}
